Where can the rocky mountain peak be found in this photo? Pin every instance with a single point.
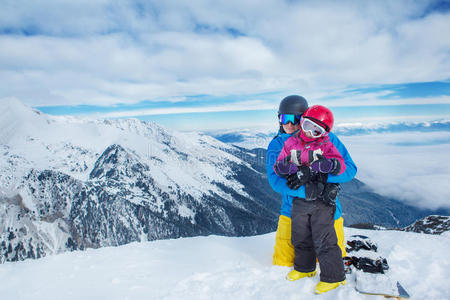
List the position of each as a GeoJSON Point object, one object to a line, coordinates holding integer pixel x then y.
{"type": "Point", "coordinates": [433, 224]}
{"type": "Point", "coordinates": [116, 163]}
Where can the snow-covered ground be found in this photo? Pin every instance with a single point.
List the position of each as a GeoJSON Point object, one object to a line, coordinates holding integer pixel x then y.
{"type": "Point", "coordinates": [216, 267]}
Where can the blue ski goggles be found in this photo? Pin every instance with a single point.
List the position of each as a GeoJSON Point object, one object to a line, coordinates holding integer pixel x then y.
{"type": "Point", "coordinates": [294, 119]}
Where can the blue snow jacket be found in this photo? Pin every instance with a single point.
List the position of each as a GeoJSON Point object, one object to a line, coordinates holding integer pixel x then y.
{"type": "Point", "coordinates": [278, 184]}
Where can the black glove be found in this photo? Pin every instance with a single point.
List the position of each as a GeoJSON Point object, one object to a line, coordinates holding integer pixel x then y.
{"type": "Point", "coordinates": [330, 193]}
{"type": "Point", "coordinates": [298, 179]}
{"type": "Point", "coordinates": [313, 190]}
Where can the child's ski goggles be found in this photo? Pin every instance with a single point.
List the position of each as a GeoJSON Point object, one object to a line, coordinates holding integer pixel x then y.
{"type": "Point", "coordinates": [313, 128]}
{"type": "Point", "coordinates": [294, 119]}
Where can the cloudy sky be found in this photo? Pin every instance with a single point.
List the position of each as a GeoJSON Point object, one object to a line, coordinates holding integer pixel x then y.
{"type": "Point", "coordinates": [218, 64]}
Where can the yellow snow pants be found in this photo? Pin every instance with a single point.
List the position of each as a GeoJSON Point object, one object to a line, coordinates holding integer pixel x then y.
{"type": "Point", "coordinates": [284, 251]}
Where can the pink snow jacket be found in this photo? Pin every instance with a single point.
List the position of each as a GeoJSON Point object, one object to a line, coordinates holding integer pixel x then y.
{"type": "Point", "coordinates": [307, 147]}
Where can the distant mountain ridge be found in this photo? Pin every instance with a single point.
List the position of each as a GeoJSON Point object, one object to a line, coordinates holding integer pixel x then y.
{"type": "Point", "coordinates": [254, 138]}
{"type": "Point", "coordinates": [361, 204]}
{"type": "Point", "coordinates": [433, 224]}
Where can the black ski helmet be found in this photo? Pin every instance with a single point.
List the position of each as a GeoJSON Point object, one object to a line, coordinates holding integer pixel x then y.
{"type": "Point", "coordinates": [293, 105]}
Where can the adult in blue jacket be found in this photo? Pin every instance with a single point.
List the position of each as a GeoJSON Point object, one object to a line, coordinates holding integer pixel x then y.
{"type": "Point", "coordinates": [284, 251]}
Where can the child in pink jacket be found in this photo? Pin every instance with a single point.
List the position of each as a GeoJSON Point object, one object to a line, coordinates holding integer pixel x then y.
{"type": "Point", "coordinates": [306, 159]}
{"type": "Point", "coordinates": [311, 146]}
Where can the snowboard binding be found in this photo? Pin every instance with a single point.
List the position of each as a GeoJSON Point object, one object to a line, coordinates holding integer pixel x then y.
{"type": "Point", "coordinates": [366, 264]}
{"type": "Point", "coordinates": [361, 242]}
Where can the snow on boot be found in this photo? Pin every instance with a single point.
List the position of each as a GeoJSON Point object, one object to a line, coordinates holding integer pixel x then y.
{"type": "Point", "coordinates": [323, 287]}
{"type": "Point", "coordinates": [296, 275]}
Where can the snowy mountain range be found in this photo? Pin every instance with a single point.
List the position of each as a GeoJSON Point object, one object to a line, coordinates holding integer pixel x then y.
{"type": "Point", "coordinates": [260, 137]}
{"type": "Point", "coordinates": [70, 183]}
{"type": "Point", "coordinates": [431, 225]}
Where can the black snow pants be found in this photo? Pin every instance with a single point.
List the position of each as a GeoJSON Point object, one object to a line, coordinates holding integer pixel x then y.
{"type": "Point", "coordinates": [314, 236]}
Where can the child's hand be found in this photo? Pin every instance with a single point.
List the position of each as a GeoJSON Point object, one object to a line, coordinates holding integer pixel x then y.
{"type": "Point", "coordinates": [325, 165]}
{"type": "Point", "coordinates": [284, 167]}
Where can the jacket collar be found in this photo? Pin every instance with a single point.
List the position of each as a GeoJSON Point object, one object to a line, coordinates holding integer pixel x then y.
{"type": "Point", "coordinates": [285, 135]}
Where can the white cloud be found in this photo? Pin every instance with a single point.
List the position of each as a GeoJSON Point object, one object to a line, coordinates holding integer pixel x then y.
{"type": "Point", "coordinates": [242, 106]}
{"type": "Point", "coordinates": [103, 52]}
{"type": "Point", "coordinates": [417, 174]}
{"type": "Point", "coordinates": [371, 99]}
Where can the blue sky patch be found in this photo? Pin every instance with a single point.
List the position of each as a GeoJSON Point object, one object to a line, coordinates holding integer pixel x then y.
{"type": "Point", "coordinates": [201, 100]}
{"type": "Point", "coordinates": [437, 6]}
{"type": "Point", "coordinates": [247, 113]}
{"type": "Point", "coordinates": [408, 90]}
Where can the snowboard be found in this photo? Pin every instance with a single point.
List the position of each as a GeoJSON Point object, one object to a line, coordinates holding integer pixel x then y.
{"type": "Point", "coordinates": [379, 284]}
{"type": "Point", "coordinates": [371, 275]}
